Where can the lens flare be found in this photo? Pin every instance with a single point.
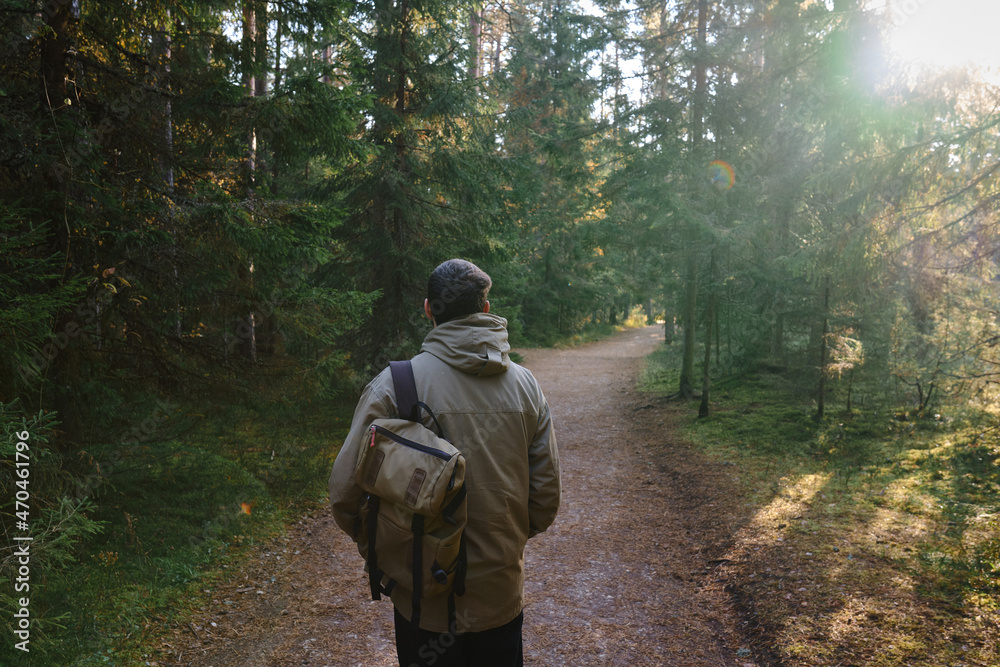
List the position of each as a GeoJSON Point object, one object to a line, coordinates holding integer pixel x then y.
{"type": "Point", "coordinates": [721, 174]}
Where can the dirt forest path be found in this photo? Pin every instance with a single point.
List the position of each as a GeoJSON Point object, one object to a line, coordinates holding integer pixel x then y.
{"type": "Point", "coordinates": [623, 577]}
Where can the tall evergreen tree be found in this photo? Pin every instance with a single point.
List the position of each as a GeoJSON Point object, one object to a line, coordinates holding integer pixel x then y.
{"type": "Point", "coordinates": [549, 96]}
{"type": "Point", "coordinates": [427, 186]}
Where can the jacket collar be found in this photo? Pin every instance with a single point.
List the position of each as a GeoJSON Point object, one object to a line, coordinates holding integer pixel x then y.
{"type": "Point", "coordinates": [476, 344]}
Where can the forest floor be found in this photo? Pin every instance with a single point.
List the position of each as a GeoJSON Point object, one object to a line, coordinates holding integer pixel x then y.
{"type": "Point", "coordinates": [629, 574]}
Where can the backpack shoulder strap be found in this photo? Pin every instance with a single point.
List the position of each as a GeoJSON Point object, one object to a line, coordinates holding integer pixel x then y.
{"type": "Point", "coordinates": [405, 386]}
{"type": "Point", "coordinates": [406, 390]}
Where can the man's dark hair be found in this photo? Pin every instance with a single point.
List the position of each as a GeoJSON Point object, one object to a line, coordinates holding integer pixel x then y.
{"type": "Point", "coordinates": [457, 288]}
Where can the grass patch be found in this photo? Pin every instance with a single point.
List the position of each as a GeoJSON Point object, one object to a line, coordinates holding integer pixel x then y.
{"type": "Point", "coordinates": [870, 538]}
{"type": "Point", "coordinates": [172, 516]}
{"type": "Point", "coordinates": [589, 332]}
{"type": "Point", "coordinates": [592, 333]}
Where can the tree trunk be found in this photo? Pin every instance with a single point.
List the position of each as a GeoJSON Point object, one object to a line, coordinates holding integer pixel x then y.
{"type": "Point", "coordinates": [250, 49]}
{"type": "Point", "coordinates": [395, 296]}
{"type": "Point", "coordinates": [327, 61]}
{"type": "Point", "coordinates": [277, 48]}
{"type": "Point", "coordinates": [162, 56]}
{"type": "Point", "coordinates": [700, 79]}
{"type": "Point", "coordinates": [850, 390]}
{"type": "Point", "coordinates": [475, 41]}
{"type": "Point", "coordinates": [691, 274]}
{"type": "Point", "coordinates": [821, 393]}
{"type": "Point", "coordinates": [706, 378]}
{"type": "Point", "coordinates": [275, 86]}
{"type": "Point", "coordinates": [55, 49]}
{"type": "Point", "coordinates": [255, 82]}
{"type": "Point", "coordinates": [56, 90]}
{"type": "Point", "coordinates": [260, 48]}
{"type": "Point", "coordinates": [690, 315]}
{"type": "Point", "coordinates": [669, 323]}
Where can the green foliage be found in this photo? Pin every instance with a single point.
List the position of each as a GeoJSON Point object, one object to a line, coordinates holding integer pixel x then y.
{"type": "Point", "coordinates": [430, 183]}
{"type": "Point", "coordinates": [965, 561]}
{"type": "Point", "coordinates": [916, 469]}
{"type": "Point", "coordinates": [196, 216]}
{"type": "Point", "coordinates": [659, 373]}
{"type": "Point", "coordinates": [564, 281]}
{"type": "Point", "coordinates": [56, 524]}
{"type": "Point", "coordinates": [158, 520]}
{"type": "Point", "coordinates": [33, 294]}
{"type": "Point", "coordinates": [168, 511]}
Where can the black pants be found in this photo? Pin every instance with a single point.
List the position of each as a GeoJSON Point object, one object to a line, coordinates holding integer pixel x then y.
{"type": "Point", "coordinates": [497, 647]}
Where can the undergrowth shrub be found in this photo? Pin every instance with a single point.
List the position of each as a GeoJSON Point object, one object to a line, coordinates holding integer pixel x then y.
{"type": "Point", "coordinates": [57, 525]}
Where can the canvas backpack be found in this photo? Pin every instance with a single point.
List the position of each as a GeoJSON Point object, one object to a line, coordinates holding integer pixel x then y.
{"type": "Point", "coordinates": [414, 512]}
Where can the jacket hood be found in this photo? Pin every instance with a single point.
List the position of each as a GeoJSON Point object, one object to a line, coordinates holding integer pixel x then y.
{"type": "Point", "coordinates": [476, 344]}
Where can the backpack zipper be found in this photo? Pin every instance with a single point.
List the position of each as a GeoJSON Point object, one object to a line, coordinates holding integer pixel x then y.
{"type": "Point", "coordinates": [407, 443]}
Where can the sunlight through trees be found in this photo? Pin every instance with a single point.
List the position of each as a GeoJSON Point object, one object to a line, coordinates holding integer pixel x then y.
{"type": "Point", "coordinates": [214, 202]}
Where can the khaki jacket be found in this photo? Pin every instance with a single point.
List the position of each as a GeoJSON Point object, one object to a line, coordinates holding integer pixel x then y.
{"type": "Point", "coordinates": [494, 412]}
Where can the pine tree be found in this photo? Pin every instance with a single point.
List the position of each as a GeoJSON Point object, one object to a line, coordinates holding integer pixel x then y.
{"type": "Point", "coordinates": [550, 131]}
{"type": "Point", "coordinates": [429, 184]}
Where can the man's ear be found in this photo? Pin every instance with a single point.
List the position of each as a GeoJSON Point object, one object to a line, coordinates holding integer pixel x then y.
{"type": "Point", "coordinates": [428, 312]}
{"type": "Point", "coordinates": [486, 308]}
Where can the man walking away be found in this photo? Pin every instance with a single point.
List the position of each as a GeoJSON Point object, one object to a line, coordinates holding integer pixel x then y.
{"type": "Point", "coordinates": [496, 415]}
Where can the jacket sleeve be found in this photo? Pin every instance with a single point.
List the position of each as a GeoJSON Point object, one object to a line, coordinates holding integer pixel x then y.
{"type": "Point", "coordinates": [345, 494]}
{"type": "Point", "coordinates": [543, 467]}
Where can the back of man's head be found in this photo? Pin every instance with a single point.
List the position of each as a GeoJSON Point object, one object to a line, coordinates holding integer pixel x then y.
{"type": "Point", "coordinates": [457, 288]}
